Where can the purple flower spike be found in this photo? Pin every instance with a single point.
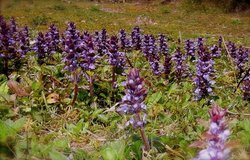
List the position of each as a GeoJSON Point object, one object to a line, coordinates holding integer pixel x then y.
{"type": "Point", "coordinates": [87, 56]}
{"type": "Point", "coordinates": [181, 69]}
{"type": "Point", "coordinates": [133, 102]}
{"type": "Point", "coordinates": [124, 42]}
{"type": "Point", "coordinates": [136, 38]}
{"type": "Point", "coordinates": [53, 39]}
{"type": "Point", "coordinates": [217, 136]}
{"type": "Point", "coordinates": [24, 44]}
{"type": "Point", "coordinates": [150, 51]}
{"type": "Point", "coordinates": [190, 49]}
{"type": "Point", "coordinates": [40, 46]}
{"type": "Point", "coordinates": [116, 58]}
{"type": "Point", "coordinates": [163, 46]}
{"type": "Point", "coordinates": [215, 51]}
{"type": "Point", "coordinates": [71, 48]}
{"type": "Point", "coordinates": [163, 49]}
{"type": "Point", "coordinates": [241, 59]}
{"type": "Point", "coordinates": [101, 42]}
{"type": "Point", "coordinates": [204, 73]}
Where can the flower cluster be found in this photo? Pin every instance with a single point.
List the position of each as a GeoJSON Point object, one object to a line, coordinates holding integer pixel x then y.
{"type": "Point", "coordinates": [71, 49]}
{"type": "Point", "coordinates": [101, 42]}
{"type": "Point", "coordinates": [200, 43]}
{"type": "Point", "coordinates": [87, 56]}
{"type": "Point", "coordinates": [136, 38]}
{"type": "Point", "coordinates": [40, 46]}
{"type": "Point", "coordinates": [52, 38]}
{"type": "Point", "coordinates": [125, 43]}
{"type": "Point", "coordinates": [47, 44]}
{"type": "Point", "coordinates": [190, 49]}
{"type": "Point", "coordinates": [217, 136]}
{"type": "Point", "coordinates": [181, 69]}
{"type": "Point", "coordinates": [215, 51]}
{"type": "Point", "coordinates": [24, 42]}
{"type": "Point", "coordinates": [133, 102]}
{"type": "Point", "coordinates": [163, 48]}
{"type": "Point", "coordinates": [241, 59]}
{"type": "Point", "coordinates": [204, 73]}
{"type": "Point", "coordinates": [116, 58]}
{"type": "Point", "coordinates": [150, 51]}
{"type": "Point", "coordinates": [14, 43]}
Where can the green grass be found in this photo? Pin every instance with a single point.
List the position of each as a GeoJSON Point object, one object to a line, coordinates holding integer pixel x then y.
{"type": "Point", "coordinates": [90, 129]}
{"type": "Point", "coordinates": [190, 20]}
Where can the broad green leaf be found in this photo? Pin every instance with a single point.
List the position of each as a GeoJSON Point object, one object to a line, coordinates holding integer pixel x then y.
{"type": "Point", "coordinates": [154, 98]}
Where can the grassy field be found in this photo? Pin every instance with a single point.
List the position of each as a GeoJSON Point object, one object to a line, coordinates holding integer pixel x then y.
{"type": "Point", "coordinates": [190, 20]}
{"type": "Point", "coordinates": [37, 129]}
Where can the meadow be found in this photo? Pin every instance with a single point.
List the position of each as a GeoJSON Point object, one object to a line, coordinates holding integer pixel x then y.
{"type": "Point", "coordinates": [64, 89]}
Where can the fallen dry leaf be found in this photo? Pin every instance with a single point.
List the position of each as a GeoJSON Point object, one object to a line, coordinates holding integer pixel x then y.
{"type": "Point", "coordinates": [52, 98]}
{"type": "Point", "coordinates": [17, 88]}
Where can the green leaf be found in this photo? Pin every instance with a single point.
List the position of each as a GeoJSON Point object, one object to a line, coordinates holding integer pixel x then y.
{"type": "Point", "coordinates": [4, 88]}
{"type": "Point", "coordinates": [154, 98]}
{"type": "Point", "coordinates": [114, 151]}
{"type": "Point", "coordinates": [18, 124]}
{"type": "Point", "coordinates": [55, 155]}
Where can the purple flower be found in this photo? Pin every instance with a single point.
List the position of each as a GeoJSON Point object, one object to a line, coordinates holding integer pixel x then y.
{"type": "Point", "coordinates": [133, 102]}
{"type": "Point", "coordinates": [14, 43]}
{"type": "Point", "coordinates": [52, 38]}
{"type": "Point", "coordinates": [200, 43]}
{"type": "Point", "coordinates": [71, 48]}
{"type": "Point", "coordinates": [124, 42]}
{"type": "Point", "coordinates": [23, 42]}
{"type": "Point", "coordinates": [190, 49]}
{"type": "Point", "coordinates": [241, 59]}
{"type": "Point", "coordinates": [181, 69]}
{"type": "Point", "coordinates": [136, 38]}
{"type": "Point", "coordinates": [87, 57]}
{"type": "Point", "coordinates": [40, 46]}
{"type": "Point", "coordinates": [163, 46]}
{"type": "Point", "coordinates": [217, 136]}
{"type": "Point", "coordinates": [150, 51]}
{"type": "Point", "coordinates": [101, 42]}
{"type": "Point", "coordinates": [116, 58]}
{"type": "Point", "coordinates": [204, 73]}
{"type": "Point", "coordinates": [163, 49]}
{"type": "Point", "coordinates": [215, 51]}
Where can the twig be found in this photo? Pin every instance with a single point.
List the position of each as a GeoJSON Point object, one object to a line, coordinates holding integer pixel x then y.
{"type": "Point", "coordinates": [242, 79]}
{"type": "Point", "coordinates": [75, 94]}
{"type": "Point", "coordinates": [234, 113]}
{"type": "Point", "coordinates": [129, 62]}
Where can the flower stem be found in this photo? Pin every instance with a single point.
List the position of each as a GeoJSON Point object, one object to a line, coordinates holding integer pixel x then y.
{"type": "Point", "coordinates": [143, 135]}
{"type": "Point", "coordinates": [91, 86]}
{"type": "Point", "coordinates": [75, 90]}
